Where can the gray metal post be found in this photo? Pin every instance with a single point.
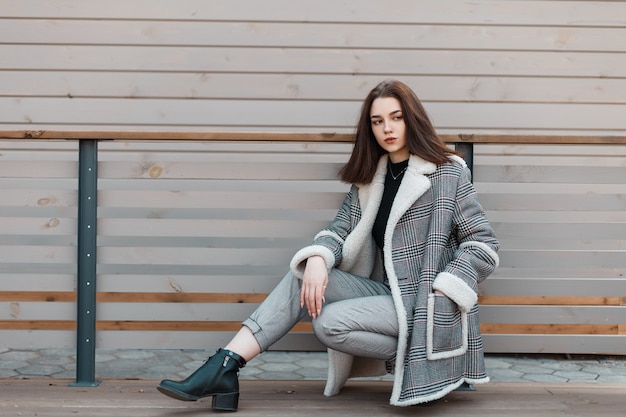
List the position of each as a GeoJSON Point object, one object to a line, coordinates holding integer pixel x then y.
{"type": "Point", "coordinates": [86, 268]}
{"type": "Point", "coordinates": [467, 150]}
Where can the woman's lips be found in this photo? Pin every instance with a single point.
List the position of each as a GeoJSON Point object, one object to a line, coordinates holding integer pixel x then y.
{"type": "Point", "coordinates": [390, 140]}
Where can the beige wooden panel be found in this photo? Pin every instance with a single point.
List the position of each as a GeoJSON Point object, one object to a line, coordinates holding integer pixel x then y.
{"type": "Point", "coordinates": [33, 253]}
{"type": "Point", "coordinates": [312, 35]}
{"type": "Point", "coordinates": [46, 169]}
{"type": "Point", "coordinates": [37, 234]}
{"type": "Point", "coordinates": [541, 284]}
{"type": "Point", "coordinates": [223, 227]}
{"type": "Point", "coordinates": [45, 200]}
{"type": "Point", "coordinates": [36, 311]}
{"type": "Point", "coordinates": [558, 212]}
{"type": "Point", "coordinates": [214, 240]}
{"type": "Point", "coordinates": [221, 170]}
{"type": "Point", "coordinates": [22, 150]}
{"type": "Point", "coordinates": [573, 344]}
{"type": "Point", "coordinates": [219, 215]}
{"type": "Point", "coordinates": [546, 153]}
{"type": "Point", "coordinates": [40, 339]}
{"type": "Point", "coordinates": [194, 340]}
{"type": "Point", "coordinates": [552, 314]}
{"type": "Point", "coordinates": [39, 226]}
{"type": "Point", "coordinates": [557, 216]}
{"type": "Point", "coordinates": [349, 61]}
{"type": "Point", "coordinates": [561, 230]}
{"type": "Point", "coordinates": [236, 312]}
{"type": "Point", "coordinates": [260, 200]}
{"type": "Point", "coordinates": [548, 188]}
{"type": "Point", "coordinates": [574, 244]}
{"type": "Point", "coordinates": [318, 116]}
{"type": "Point", "coordinates": [529, 271]}
{"type": "Point", "coordinates": [580, 13]}
{"type": "Point", "coordinates": [179, 283]}
{"type": "Point", "coordinates": [30, 282]}
{"type": "Point", "coordinates": [174, 253]}
{"type": "Point", "coordinates": [307, 86]}
{"type": "Point", "coordinates": [532, 56]}
{"type": "Point", "coordinates": [554, 174]}
{"type": "Point", "coordinates": [195, 256]}
{"type": "Point", "coordinates": [561, 258]}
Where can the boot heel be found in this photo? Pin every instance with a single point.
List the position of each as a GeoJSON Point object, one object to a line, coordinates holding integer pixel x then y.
{"type": "Point", "coordinates": [226, 402]}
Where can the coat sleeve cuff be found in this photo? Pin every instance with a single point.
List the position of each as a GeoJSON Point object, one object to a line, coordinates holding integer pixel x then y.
{"type": "Point", "coordinates": [298, 262]}
{"type": "Point", "coordinates": [456, 289]}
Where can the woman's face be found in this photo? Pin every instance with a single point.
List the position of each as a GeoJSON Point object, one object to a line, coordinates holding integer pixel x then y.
{"type": "Point", "coordinates": [389, 128]}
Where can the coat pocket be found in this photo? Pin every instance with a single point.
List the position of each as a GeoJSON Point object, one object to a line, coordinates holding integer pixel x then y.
{"type": "Point", "coordinates": [446, 330]}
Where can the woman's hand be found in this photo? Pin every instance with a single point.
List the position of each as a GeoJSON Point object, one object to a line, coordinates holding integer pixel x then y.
{"type": "Point", "coordinates": [314, 283]}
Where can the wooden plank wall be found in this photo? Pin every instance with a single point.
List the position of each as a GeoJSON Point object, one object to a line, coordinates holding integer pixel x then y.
{"type": "Point", "coordinates": [560, 214]}
{"type": "Point", "coordinates": [192, 236]}
{"type": "Point", "coordinates": [481, 67]}
{"type": "Point", "coordinates": [209, 225]}
{"type": "Point", "coordinates": [529, 67]}
{"type": "Point", "coordinates": [38, 235]}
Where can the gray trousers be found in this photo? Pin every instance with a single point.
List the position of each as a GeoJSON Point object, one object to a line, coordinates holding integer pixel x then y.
{"type": "Point", "coordinates": [358, 316]}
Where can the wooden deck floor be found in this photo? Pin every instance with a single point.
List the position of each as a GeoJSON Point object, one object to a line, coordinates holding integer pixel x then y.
{"type": "Point", "coordinates": [130, 398]}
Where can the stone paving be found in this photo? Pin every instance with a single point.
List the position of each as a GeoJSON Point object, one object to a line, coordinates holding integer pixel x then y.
{"type": "Point", "coordinates": [274, 365]}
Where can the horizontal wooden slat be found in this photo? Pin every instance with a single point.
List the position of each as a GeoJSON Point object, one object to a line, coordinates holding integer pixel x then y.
{"type": "Point", "coordinates": [565, 230]}
{"type": "Point", "coordinates": [538, 174]}
{"type": "Point", "coordinates": [489, 12]}
{"type": "Point", "coordinates": [561, 201]}
{"type": "Point", "coordinates": [552, 314]}
{"type": "Point", "coordinates": [36, 254]}
{"type": "Point", "coordinates": [554, 329]}
{"type": "Point", "coordinates": [547, 300]}
{"type": "Point", "coordinates": [152, 135]}
{"type": "Point", "coordinates": [309, 34]}
{"type": "Point", "coordinates": [132, 297]}
{"type": "Point", "coordinates": [197, 297]}
{"type": "Point", "coordinates": [107, 325]}
{"type": "Point", "coordinates": [18, 169]}
{"type": "Point", "coordinates": [38, 296]}
{"type": "Point", "coordinates": [61, 228]}
{"type": "Point", "coordinates": [558, 258]}
{"type": "Point", "coordinates": [104, 325]}
{"type": "Point", "coordinates": [46, 113]}
{"type": "Point", "coordinates": [430, 87]}
{"type": "Point", "coordinates": [223, 170]}
{"type": "Point", "coordinates": [546, 283]}
{"type": "Point", "coordinates": [555, 343]}
{"type": "Point", "coordinates": [298, 60]}
{"type": "Point", "coordinates": [37, 325]}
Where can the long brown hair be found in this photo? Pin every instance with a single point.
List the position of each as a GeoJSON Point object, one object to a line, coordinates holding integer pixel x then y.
{"type": "Point", "coordinates": [421, 138]}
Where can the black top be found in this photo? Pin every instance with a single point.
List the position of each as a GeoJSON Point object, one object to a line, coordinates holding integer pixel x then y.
{"type": "Point", "coordinates": [395, 173]}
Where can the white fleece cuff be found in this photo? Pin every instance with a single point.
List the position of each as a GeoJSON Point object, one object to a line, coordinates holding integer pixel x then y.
{"type": "Point", "coordinates": [456, 289]}
{"type": "Point", "coordinates": [298, 262]}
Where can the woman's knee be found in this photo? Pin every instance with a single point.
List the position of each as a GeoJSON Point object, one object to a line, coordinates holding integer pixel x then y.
{"type": "Point", "coordinates": [328, 326]}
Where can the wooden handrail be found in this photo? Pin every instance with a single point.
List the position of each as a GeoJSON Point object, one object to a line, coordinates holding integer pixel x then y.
{"type": "Point", "coordinates": [294, 137]}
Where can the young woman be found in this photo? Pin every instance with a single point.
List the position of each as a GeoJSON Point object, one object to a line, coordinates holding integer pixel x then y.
{"type": "Point", "coordinates": [392, 281]}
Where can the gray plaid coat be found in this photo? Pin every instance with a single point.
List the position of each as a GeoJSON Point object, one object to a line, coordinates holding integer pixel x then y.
{"type": "Point", "coordinates": [437, 238]}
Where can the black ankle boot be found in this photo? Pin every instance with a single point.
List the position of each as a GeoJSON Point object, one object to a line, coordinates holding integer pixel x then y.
{"type": "Point", "coordinates": [218, 376]}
